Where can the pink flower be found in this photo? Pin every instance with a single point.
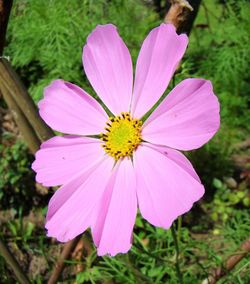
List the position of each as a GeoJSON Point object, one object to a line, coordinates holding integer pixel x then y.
{"type": "Point", "coordinates": [132, 164]}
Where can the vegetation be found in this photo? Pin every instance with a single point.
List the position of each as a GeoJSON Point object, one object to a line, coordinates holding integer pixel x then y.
{"type": "Point", "coordinates": [44, 42]}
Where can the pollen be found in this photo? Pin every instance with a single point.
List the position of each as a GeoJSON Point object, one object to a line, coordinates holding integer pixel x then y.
{"type": "Point", "coordinates": [122, 136]}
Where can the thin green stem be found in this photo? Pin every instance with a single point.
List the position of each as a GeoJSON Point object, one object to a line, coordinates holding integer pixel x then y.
{"type": "Point", "coordinates": [177, 264]}
{"type": "Point", "coordinates": [179, 225]}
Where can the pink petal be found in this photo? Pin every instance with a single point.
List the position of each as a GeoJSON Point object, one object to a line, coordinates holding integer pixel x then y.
{"type": "Point", "coordinates": [167, 185]}
{"type": "Point", "coordinates": [71, 207]}
{"type": "Point", "coordinates": [116, 213]}
{"type": "Point", "coordinates": [69, 109]}
{"type": "Point", "coordinates": [60, 158]}
{"type": "Point", "coordinates": [108, 66]}
{"type": "Point", "coordinates": [187, 118]}
{"type": "Point", "coordinates": [159, 56]}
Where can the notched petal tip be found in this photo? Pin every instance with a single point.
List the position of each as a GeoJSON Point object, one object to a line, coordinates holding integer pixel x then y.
{"type": "Point", "coordinates": [105, 26]}
{"type": "Point", "coordinates": [170, 28]}
{"type": "Point", "coordinates": [158, 59]}
{"type": "Point", "coordinates": [62, 108]}
{"type": "Point", "coordinates": [107, 252]}
{"type": "Point", "coordinates": [187, 118]}
{"type": "Point", "coordinates": [59, 238]}
{"type": "Point", "coordinates": [184, 39]}
{"type": "Point", "coordinates": [100, 28]}
{"type": "Point", "coordinates": [53, 84]}
{"type": "Point", "coordinates": [108, 66]}
{"type": "Point", "coordinates": [216, 103]}
{"type": "Point", "coordinates": [163, 197]}
{"type": "Point", "coordinates": [116, 212]}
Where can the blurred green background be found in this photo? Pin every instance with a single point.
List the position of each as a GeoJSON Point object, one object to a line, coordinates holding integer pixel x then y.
{"type": "Point", "coordinates": [44, 42]}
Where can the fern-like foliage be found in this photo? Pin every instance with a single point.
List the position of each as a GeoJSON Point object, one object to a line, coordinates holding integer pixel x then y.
{"type": "Point", "coordinates": [220, 52]}
{"type": "Point", "coordinates": [46, 37]}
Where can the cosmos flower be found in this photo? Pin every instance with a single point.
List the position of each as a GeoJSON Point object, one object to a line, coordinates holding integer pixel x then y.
{"type": "Point", "coordinates": [109, 166]}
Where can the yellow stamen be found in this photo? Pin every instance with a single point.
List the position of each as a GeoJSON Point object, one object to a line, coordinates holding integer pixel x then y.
{"type": "Point", "coordinates": [122, 136]}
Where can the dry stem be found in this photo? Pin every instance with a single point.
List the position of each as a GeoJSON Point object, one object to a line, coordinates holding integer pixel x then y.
{"type": "Point", "coordinates": [11, 83]}
{"type": "Point", "coordinates": [58, 268]}
{"type": "Point", "coordinates": [229, 264]}
{"type": "Point", "coordinates": [182, 15]}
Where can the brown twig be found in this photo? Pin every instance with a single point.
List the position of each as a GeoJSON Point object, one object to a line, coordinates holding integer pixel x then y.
{"type": "Point", "coordinates": [182, 14]}
{"type": "Point", "coordinates": [83, 248]}
{"type": "Point", "coordinates": [12, 83]}
{"type": "Point", "coordinates": [23, 125]}
{"type": "Point", "coordinates": [58, 268]}
{"type": "Point", "coordinates": [229, 264]}
{"type": "Point", "coordinates": [13, 264]}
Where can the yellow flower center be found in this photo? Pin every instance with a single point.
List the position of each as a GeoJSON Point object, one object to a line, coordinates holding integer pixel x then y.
{"type": "Point", "coordinates": [123, 135]}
